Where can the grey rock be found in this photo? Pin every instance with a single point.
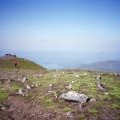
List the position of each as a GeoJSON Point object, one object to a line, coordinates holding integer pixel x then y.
{"type": "Point", "coordinates": [69, 86]}
{"type": "Point", "coordinates": [24, 79]}
{"type": "Point", "coordinates": [28, 87]}
{"type": "Point", "coordinates": [74, 96]}
{"type": "Point", "coordinates": [4, 107]}
{"type": "Point", "coordinates": [101, 86]}
{"type": "Point", "coordinates": [22, 92]}
{"type": "Point", "coordinates": [70, 114]}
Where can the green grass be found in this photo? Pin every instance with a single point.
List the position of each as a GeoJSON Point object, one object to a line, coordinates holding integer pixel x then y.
{"type": "Point", "coordinates": [93, 111]}
{"type": "Point", "coordinates": [15, 87]}
{"type": "Point", "coordinates": [23, 64]}
{"type": "Point", "coordinates": [85, 84]}
{"type": "Point", "coordinates": [3, 95]}
{"type": "Point", "coordinates": [47, 102]}
{"type": "Point", "coordinates": [67, 109]}
{"type": "Point", "coordinates": [82, 117]}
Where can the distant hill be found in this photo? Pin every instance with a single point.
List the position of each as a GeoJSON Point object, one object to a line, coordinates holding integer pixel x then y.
{"type": "Point", "coordinates": [108, 66]}
{"type": "Point", "coordinates": [8, 61]}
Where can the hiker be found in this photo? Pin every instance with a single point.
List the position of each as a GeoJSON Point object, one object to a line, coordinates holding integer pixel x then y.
{"type": "Point", "coordinates": [16, 64]}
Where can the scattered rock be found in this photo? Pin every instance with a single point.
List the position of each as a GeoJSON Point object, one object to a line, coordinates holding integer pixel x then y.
{"type": "Point", "coordinates": [36, 85]}
{"type": "Point", "coordinates": [85, 74]}
{"type": "Point", "coordinates": [53, 93]}
{"type": "Point", "coordinates": [77, 76]}
{"type": "Point", "coordinates": [28, 87]}
{"type": "Point", "coordinates": [70, 114]}
{"type": "Point", "coordinates": [101, 86]}
{"type": "Point", "coordinates": [22, 92]}
{"type": "Point", "coordinates": [37, 75]}
{"type": "Point", "coordinates": [106, 93]}
{"type": "Point", "coordinates": [24, 79]}
{"type": "Point", "coordinates": [117, 74]}
{"type": "Point", "coordinates": [92, 100]}
{"type": "Point", "coordinates": [98, 78]}
{"type": "Point", "coordinates": [4, 107]}
{"type": "Point", "coordinates": [56, 75]}
{"type": "Point", "coordinates": [69, 86]}
{"type": "Point", "coordinates": [50, 85]}
{"type": "Point", "coordinates": [63, 72]}
{"type": "Point", "coordinates": [72, 82]}
{"type": "Point", "coordinates": [32, 86]}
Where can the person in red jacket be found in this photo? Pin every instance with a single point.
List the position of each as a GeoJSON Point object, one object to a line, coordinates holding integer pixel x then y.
{"type": "Point", "coordinates": [16, 63]}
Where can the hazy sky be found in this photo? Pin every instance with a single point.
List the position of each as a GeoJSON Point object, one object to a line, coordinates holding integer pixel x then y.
{"type": "Point", "coordinates": [60, 25]}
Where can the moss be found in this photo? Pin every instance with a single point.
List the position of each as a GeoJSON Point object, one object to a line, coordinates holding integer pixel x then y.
{"type": "Point", "coordinates": [82, 117]}
{"type": "Point", "coordinates": [67, 109]}
{"type": "Point", "coordinates": [15, 87]}
{"type": "Point", "coordinates": [93, 111]}
{"type": "Point", "coordinates": [48, 102]}
{"type": "Point", "coordinates": [114, 106]}
{"type": "Point", "coordinates": [3, 95]}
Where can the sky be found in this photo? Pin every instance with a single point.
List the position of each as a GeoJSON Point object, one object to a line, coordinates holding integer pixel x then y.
{"type": "Point", "coordinates": [66, 26]}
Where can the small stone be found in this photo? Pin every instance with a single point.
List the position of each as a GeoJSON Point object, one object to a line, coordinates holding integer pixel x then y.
{"type": "Point", "coordinates": [106, 93]}
{"type": "Point", "coordinates": [22, 92]}
{"type": "Point", "coordinates": [98, 78]}
{"type": "Point", "coordinates": [36, 85]}
{"type": "Point", "coordinates": [50, 85]}
{"type": "Point", "coordinates": [3, 108]}
{"type": "Point", "coordinates": [77, 76]}
{"type": "Point", "coordinates": [85, 74]}
{"type": "Point", "coordinates": [69, 86]}
{"type": "Point", "coordinates": [101, 86]}
{"type": "Point", "coordinates": [69, 114]}
{"type": "Point", "coordinates": [72, 82]}
{"type": "Point", "coordinates": [11, 109]}
{"type": "Point", "coordinates": [32, 86]}
{"type": "Point", "coordinates": [8, 98]}
{"type": "Point", "coordinates": [24, 79]}
{"type": "Point", "coordinates": [28, 87]}
{"type": "Point", "coordinates": [92, 100]}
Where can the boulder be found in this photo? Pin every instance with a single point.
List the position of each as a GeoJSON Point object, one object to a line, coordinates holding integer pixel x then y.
{"type": "Point", "coordinates": [74, 96]}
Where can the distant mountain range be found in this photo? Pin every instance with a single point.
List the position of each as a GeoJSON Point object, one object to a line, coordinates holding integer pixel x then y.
{"type": "Point", "coordinates": [108, 66]}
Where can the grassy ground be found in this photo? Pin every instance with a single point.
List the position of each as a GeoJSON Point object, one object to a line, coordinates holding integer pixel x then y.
{"type": "Point", "coordinates": [22, 64]}
{"type": "Point", "coordinates": [85, 83]}
{"type": "Point", "coordinates": [52, 84]}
